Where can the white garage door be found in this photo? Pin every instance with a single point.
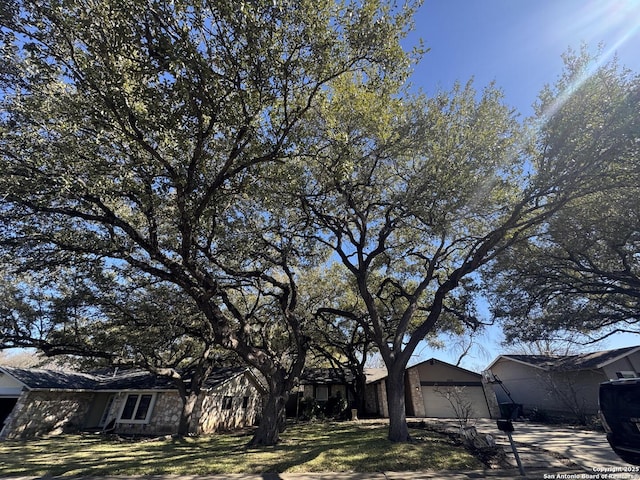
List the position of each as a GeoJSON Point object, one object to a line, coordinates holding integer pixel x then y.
{"type": "Point", "coordinates": [436, 405]}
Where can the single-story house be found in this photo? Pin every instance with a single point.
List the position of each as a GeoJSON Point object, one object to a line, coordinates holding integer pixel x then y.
{"type": "Point", "coordinates": [432, 389]}
{"type": "Point", "coordinates": [320, 384]}
{"type": "Point", "coordinates": [559, 385]}
{"type": "Point", "coordinates": [34, 402]}
{"type": "Point", "coordinates": [324, 383]}
{"type": "Point", "coordinates": [437, 389]}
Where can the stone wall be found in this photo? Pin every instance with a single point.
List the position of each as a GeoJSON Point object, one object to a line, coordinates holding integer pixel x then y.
{"type": "Point", "coordinates": [209, 416]}
{"type": "Point", "coordinates": [232, 405]}
{"type": "Point", "coordinates": [164, 418]}
{"type": "Point", "coordinates": [212, 417]}
{"type": "Point", "coordinates": [41, 413]}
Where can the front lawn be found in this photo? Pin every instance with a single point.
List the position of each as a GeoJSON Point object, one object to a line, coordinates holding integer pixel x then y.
{"type": "Point", "coordinates": [337, 447]}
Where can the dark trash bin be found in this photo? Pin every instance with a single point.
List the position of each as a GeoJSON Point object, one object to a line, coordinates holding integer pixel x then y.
{"type": "Point", "coordinates": [511, 410]}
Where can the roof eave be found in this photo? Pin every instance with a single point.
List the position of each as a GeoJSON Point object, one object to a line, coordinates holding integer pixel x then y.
{"type": "Point", "coordinates": [507, 357]}
{"type": "Point", "coordinates": [615, 359]}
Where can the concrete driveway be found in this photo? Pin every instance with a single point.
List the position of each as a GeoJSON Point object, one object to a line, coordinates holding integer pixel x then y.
{"type": "Point", "coordinates": [587, 449]}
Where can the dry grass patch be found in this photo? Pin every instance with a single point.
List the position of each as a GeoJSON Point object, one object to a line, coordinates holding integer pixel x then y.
{"type": "Point", "coordinates": [337, 447]}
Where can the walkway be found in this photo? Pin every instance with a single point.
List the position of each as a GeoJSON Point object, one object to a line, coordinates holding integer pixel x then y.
{"type": "Point", "coordinates": [538, 444]}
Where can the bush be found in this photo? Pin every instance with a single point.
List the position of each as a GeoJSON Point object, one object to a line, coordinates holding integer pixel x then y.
{"type": "Point", "coordinates": [310, 409]}
{"type": "Point", "coordinates": [539, 416]}
{"type": "Point", "coordinates": [336, 407]}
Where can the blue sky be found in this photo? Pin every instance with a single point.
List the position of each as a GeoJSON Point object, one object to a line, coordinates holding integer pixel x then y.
{"type": "Point", "coordinates": [518, 44]}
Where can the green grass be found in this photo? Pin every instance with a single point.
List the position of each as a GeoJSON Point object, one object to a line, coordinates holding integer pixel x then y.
{"type": "Point", "coordinates": [337, 447]}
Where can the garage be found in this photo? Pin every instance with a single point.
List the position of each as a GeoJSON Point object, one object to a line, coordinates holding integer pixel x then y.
{"type": "Point", "coordinates": [437, 389]}
{"type": "Point", "coordinates": [438, 400]}
{"type": "Point", "coordinates": [10, 391]}
{"type": "Point", "coordinates": [6, 406]}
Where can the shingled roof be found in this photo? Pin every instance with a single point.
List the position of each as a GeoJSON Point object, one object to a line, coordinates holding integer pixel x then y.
{"type": "Point", "coordinates": [582, 361]}
{"type": "Point", "coordinates": [325, 376]}
{"type": "Point", "coordinates": [39, 379]}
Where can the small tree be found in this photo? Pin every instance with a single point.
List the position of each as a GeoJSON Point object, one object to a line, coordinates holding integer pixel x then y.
{"type": "Point", "coordinates": [460, 403]}
{"type": "Point", "coordinates": [565, 390]}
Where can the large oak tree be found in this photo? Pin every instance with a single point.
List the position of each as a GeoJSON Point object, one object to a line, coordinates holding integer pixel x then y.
{"type": "Point", "coordinates": [416, 195]}
{"type": "Point", "coordinates": [139, 140]}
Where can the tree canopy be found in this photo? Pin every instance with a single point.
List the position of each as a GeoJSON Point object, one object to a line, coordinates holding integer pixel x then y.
{"type": "Point", "coordinates": [141, 144]}
{"type": "Point", "coordinates": [416, 196]}
{"type": "Point", "coordinates": [577, 274]}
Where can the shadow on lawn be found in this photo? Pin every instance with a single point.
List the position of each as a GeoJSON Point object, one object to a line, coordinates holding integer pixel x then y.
{"type": "Point", "coordinates": [304, 448]}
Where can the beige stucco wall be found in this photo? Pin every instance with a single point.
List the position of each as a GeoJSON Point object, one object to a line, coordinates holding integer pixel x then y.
{"type": "Point", "coordinates": [535, 388]}
{"type": "Point", "coordinates": [626, 364]}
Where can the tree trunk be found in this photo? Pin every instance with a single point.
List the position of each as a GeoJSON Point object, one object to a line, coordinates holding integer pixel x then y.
{"type": "Point", "coordinates": [398, 429]}
{"type": "Point", "coordinates": [359, 390]}
{"type": "Point", "coordinates": [188, 405]}
{"type": "Point", "coordinates": [273, 421]}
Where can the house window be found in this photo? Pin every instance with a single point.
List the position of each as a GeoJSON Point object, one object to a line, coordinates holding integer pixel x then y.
{"type": "Point", "coordinates": [322, 393]}
{"type": "Point", "coordinates": [245, 402]}
{"type": "Point", "coordinates": [137, 407]}
{"type": "Point", "coordinates": [226, 403]}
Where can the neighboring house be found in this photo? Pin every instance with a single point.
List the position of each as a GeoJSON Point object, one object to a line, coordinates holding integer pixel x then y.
{"type": "Point", "coordinates": [35, 402]}
{"type": "Point", "coordinates": [560, 385]}
{"type": "Point", "coordinates": [323, 383]}
{"type": "Point", "coordinates": [375, 393]}
{"type": "Point", "coordinates": [431, 387]}
{"type": "Point", "coordinates": [320, 384]}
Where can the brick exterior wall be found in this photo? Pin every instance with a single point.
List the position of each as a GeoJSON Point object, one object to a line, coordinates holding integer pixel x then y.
{"type": "Point", "coordinates": [414, 393]}
{"type": "Point", "coordinates": [376, 399]}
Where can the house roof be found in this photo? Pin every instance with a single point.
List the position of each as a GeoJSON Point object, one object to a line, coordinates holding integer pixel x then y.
{"type": "Point", "coordinates": [326, 376]}
{"type": "Point", "coordinates": [375, 374]}
{"type": "Point", "coordinates": [336, 376]}
{"type": "Point", "coordinates": [39, 379]}
{"type": "Point", "coordinates": [433, 361]}
{"type": "Point", "coordinates": [142, 380]}
{"type": "Point", "coordinates": [583, 361]}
